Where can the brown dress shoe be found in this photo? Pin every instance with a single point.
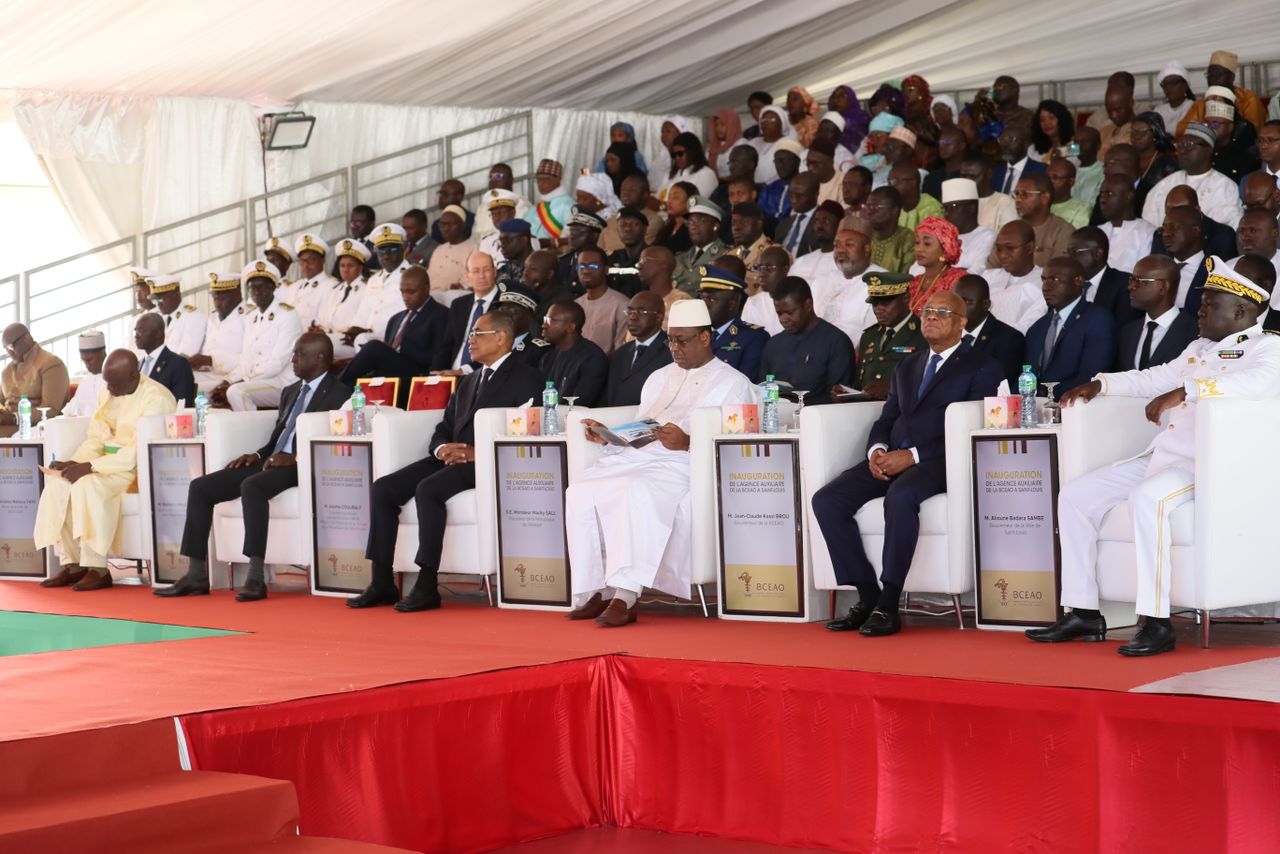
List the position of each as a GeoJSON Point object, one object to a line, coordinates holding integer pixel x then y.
{"type": "Point", "coordinates": [593, 608]}
{"type": "Point", "coordinates": [616, 614]}
{"type": "Point", "coordinates": [69, 575]}
{"type": "Point", "coordinates": [94, 581]}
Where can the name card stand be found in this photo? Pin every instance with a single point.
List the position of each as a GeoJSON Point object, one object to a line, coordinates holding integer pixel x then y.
{"type": "Point", "coordinates": [171, 466]}
{"type": "Point", "coordinates": [22, 482]}
{"type": "Point", "coordinates": [341, 495]}
{"type": "Point", "coordinates": [530, 477]}
{"type": "Point", "coordinates": [764, 573]}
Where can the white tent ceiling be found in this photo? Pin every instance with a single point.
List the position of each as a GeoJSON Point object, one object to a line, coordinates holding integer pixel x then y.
{"type": "Point", "coordinates": [660, 56]}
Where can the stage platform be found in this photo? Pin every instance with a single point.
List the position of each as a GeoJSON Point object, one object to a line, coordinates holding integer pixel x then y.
{"type": "Point", "coordinates": [472, 728]}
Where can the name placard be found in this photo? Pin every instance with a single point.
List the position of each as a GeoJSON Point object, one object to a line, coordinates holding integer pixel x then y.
{"type": "Point", "coordinates": [173, 466]}
{"type": "Point", "coordinates": [761, 545]}
{"type": "Point", "coordinates": [1015, 530]}
{"type": "Point", "coordinates": [21, 483]}
{"type": "Point", "coordinates": [533, 552]}
{"type": "Point", "coordinates": [341, 493]}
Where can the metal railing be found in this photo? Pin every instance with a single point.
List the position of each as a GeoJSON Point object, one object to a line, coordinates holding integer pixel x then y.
{"type": "Point", "coordinates": [93, 289]}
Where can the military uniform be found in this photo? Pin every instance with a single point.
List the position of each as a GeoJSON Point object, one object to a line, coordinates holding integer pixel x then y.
{"type": "Point", "coordinates": [531, 350]}
{"type": "Point", "coordinates": [737, 343]}
{"type": "Point", "coordinates": [266, 363]}
{"type": "Point", "coordinates": [750, 256]}
{"type": "Point", "coordinates": [223, 343]}
{"type": "Point", "coordinates": [381, 300]}
{"type": "Point", "coordinates": [184, 326]}
{"type": "Point", "coordinates": [686, 276]}
{"type": "Point", "coordinates": [878, 357]}
{"type": "Point", "coordinates": [306, 295]}
{"type": "Point", "coordinates": [342, 305]}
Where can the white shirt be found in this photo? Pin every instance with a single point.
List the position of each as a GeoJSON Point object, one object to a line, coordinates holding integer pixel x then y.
{"type": "Point", "coordinates": [846, 307]}
{"type": "Point", "coordinates": [224, 338]}
{"type": "Point", "coordinates": [1173, 115]}
{"type": "Point", "coordinates": [704, 179]}
{"type": "Point", "coordinates": [1017, 300]}
{"type": "Point", "coordinates": [484, 222]}
{"type": "Point", "coordinates": [975, 333]}
{"type": "Point", "coordinates": [305, 295]}
{"type": "Point", "coordinates": [945, 354]}
{"type": "Point", "coordinates": [765, 171]}
{"type": "Point", "coordinates": [340, 309]}
{"type": "Point", "coordinates": [381, 302]}
{"type": "Point", "coordinates": [1186, 272]}
{"type": "Point", "coordinates": [1015, 170]}
{"type": "Point", "coordinates": [148, 362]}
{"type": "Point", "coordinates": [975, 246]}
{"type": "Point", "coordinates": [996, 210]}
{"type": "Point", "coordinates": [268, 344]}
{"type": "Point", "coordinates": [85, 401]}
{"type": "Point", "coordinates": [492, 370]}
{"type": "Point", "coordinates": [759, 310]}
{"type": "Point", "coordinates": [1219, 197]}
{"type": "Point", "coordinates": [809, 265]}
{"type": "Point", "coordinates": [483, 301]}
{"type": "Point", "coordinates": [671, 393]}
{"type": "Point", "coordinates": [1130, 242]}
{"type": "Point", "coordinates": [1163, 322]}
{"type": "Point", "coordinates": [184, 330]}
{"type": "Point", "coordinates": [798, 226]}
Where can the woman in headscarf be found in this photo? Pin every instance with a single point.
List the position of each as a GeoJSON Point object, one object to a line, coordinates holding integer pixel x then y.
{"type": "Point", "coordinates": [802, 112]}
{"type": "Point", "coordinates": [621, 132]}
{"type": "Point", "coordinates": [619, 162]}
{"type": "Point", "coordinates": [886, 99]}
{"type": "Point", "coordinates": [878, 131]}
{"type": "Point", "coordinates": [944, 111]}
{"type": "Point", "coordinates": [773, 127]}
{"type": "Point", "coordinates": [726, 132]}
{"type": "Point", "coordinates": [1156, 159]}
{"type": "Point", "coordinates": [689, 163]}
{"type": "Point", "coordinates": [594, 192]}
{"type": "Point", "coordinates": [915, 111]}
{"type": "Point", "coordinates": [937, 251]}
{"type": "Point", "coordinates": [663, 168]}
{"type": "Point", "coordinates": [844, 101]}
{"type": "Point", "coordinates": [1053, 128]}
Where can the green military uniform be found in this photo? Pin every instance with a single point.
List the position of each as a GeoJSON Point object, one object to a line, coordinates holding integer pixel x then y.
{"type": "Point", "coordinates": [881, 349]}
{"type": "Point", "coordinates": [689, 261]}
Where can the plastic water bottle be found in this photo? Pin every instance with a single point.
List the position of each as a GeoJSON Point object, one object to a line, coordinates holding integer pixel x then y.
{"type": "Point", "coordinates": [202, 413]}
{"type": "Point", "coordinates": [769, 421]}
{"type": "Point", "coordinates": [358, 425]}
{"type": "Point", "coordinates": [550, 416]}
{"type": "Point", "coordinates": [1027, 385]}
{"type": "Point", "coordinates": [24, 418]}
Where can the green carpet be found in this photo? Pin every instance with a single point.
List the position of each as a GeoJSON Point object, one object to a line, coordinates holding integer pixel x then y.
{"type": "Point", "coordinates": [22, 633]}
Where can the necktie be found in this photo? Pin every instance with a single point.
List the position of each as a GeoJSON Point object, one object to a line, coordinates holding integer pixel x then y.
{"type": "Point", "coordinates": [285, 443]}
{"type": "Point", "coordinates": [346, 292]}
{"type": "Point", "coordinates": [1144, 360]}
{"type": "Point", "coordinates": [929, 371]}
{"type": "Point", "coordinates": [481, 384]}
{"type": "Point", "coordinates": [797, 229]}
{"type": "Point", "coordinates": [1008, 180]}
{"type": "Point", "coordinates": [404, 324]}
{"type": "Point", "coordinates": [466, 341]}
{"type": "Point", "coordinates": [635, 357]}
{"type": "Point", "coordinates": [1050, 338]}
{"type": "Point", "coordinates": [146, 366]}
{"type": "Point", "coordinates": [167, 320]}
{"type": "Point", "coordinates": [968, 338]}
{"type": "Point", "coordinates": [884, 339]}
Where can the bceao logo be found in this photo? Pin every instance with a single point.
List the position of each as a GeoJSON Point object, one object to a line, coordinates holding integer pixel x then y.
{"type": "Point", "coordinates": [1003, 587]}
{"type": "Point", "coordinates": [745, 578]}
{"type": "Point", "coordinates": [522, 571]}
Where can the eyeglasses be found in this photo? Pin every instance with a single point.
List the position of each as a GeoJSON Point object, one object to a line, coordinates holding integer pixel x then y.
{"type": "Point", "coordinates": [676, 343]}
{"type": "Point", "coordinates": [547, 320]}
{"type": "Point", "coordinates": [476, 333]}
{"type": "Point", "coordinates": [640, 312]}
{"type": "Point", "coordinates": [1144, 280]}
{"type": "Point", "coordinates": [591, 265]}
{"type": "Point", "coordinates": [761, 267]}
{"type": "Point", "coordinates": [1187, 143]}
{"type": "Point", "coordinates": [939, 313]}
{"type": "Point", "coordinates": [1026, 194]}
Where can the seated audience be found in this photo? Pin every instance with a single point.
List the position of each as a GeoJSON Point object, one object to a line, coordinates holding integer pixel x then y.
{"type": "Point", "coordinates": [795, 231]}
{"type": "Point", "coordinates": [272, 328]}
{"type": "Point", "coordinates": [418, 240]}
{"type": "Point", "coordinates": [1184, 242]}
{"type": "Point", "coordinates": [960, 208]}
{"type": "Point", "coordinates": [183, 322]}
{"type": "Point", "coordinates": [647, 351]}
{"type": "Point", "coordinates": [1223, 66]}
{"type": "Point", "coordinates": [1218, 239]}
{"type": "Point", "coordinates": [774, 266]}
{"type": "Point", "coordinates": [1062, 179]}
{"type": "Point", "coordinates": [987, 334]}
{"type": "Point", "coordinates": [93, 352]}
{"type": "Point", "coordinates": [1162, 332]}
{"type": "Point", "coordinates": [224, 331]}
{"type": "Point", "coordinates": [451, 194]}
{"type": "Point", "coordinates": [549, 218]}
{"type": "Point", "coordinates": [1075, 339]}
{"type": "Point", "coordinates": [892, 246]}
{"type": "Point", "coordinates": [810, 354]}
{"type": "Point", "coordinates": [1219, 196]}
{"type": "Point", "coordinates": [1128, 235]}
{"type": "Point", "coordinates": [734, 341]}
{"type": "Point", "coordinates": [605, 323]}
{"type": "Point", "coordinates": [1016, 288]}
{"type": "Point", "coordinates": [894, 337]}
{"type": "Point", "coordinates": [937, 249]}
{"type": "Point", "coordinates": [1103, 285]}
{"type": "Point", "coordinates": [308, 292]}
{"type": "Point", "coordinates": [159, 362]}
{"type": "Point", "coordinates": [995, 209]}
{"type": "Point", "coordinates": [749, 242]}
{"type": "Point", "coordinates": [32, 372]}
{"type": "Point", "coordinates": [657, 268]}
{"type": "Point", "coordinates": [414, 342]}
{"type": "Point", "coordinates": [577, 366]}
{"type": "Point", "coordinates": [448, 266]}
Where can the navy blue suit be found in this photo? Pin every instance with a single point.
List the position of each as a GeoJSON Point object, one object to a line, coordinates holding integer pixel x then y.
{"type": "Point", "coordinates": [997, 174]}
{"type": "Point", "coordinates": [1218, 239]}
{"type": "Point", "coordinates": [909, 419]}
{"type": "Point", "coordinates": [174, 373]}
{"type": "Point", "coordinates": [1086, 345]}
{"type": "Point", "coordinates": [1184, 329]}
{"type": "Point", "coordinates": [1003, 343]}
{"type": "Point", "coordinates": [1113, 294]}
{"type": "Point", "coordinates": [423, 348]}
{"type": "Point", "coordinates": [741, 345]}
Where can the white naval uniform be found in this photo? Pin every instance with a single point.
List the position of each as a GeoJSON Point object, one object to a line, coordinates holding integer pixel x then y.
{"type": "Point", "coordinates": [266, 363]}
{"type": "Point", "coordinates": [339, 311]}
{"type": "Point", "coordinates": [484, 222]}
{"type": "Point", "coordinates": [184, 330]}
{"type": "Point", "coordinates": [223, 343]}
{"type": "Point", "coordinates": [628, 516]}
{"type": "Point", "coordinates": [380, 303]}
{"type": "Point", "coordinates": [1161, 478]}
{"type": "Point", "coordinates": [489, 245]}
{"type": "Point", "coordinates": [305, 295]}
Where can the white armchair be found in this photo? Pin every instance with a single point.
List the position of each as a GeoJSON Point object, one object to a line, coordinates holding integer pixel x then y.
{"type": "Point", "coordinates": [1221, 550]}
{"type": "Point", "coordinates": [62, 435]}
{"type": "Point", "coordinates": [470, 538]}
{"type": "Point", "coordinates": [699, 526]}
{"type": "Point", "coordinates": [229, 435]}
{"type": "Point", "coordinates": [834, 438]}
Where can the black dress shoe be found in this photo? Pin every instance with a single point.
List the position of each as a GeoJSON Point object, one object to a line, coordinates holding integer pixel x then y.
{"type": "Point", "coordinates": [1070, 627]}
{"type": "Point", "coordinates": [374, 595]}
{"type": "Point", "coordinates": [1152, 639]}
{"type": "Point", "coordinates": [880, 624]}
{"type": "Point", "coordinates": [854, 620]}
{"type": "Point", "coordinates": [252, 591]}
{"type": "Point", "coordinates": [419, 599]}
{"type": "Point", "coordinates": [183, 587]}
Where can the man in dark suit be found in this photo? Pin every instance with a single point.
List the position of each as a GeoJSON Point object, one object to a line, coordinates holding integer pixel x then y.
{"type": "Point", "coordinates": [541, 277]}
{"type": "Point", "coordinates": [466, 310]}
{"type": "Point", "coordinates": [1162, 332]}
{"type": "Point", "coordinates": [987, 334]}
{"type": "Point", "coordinates": [1218, 237]}
{"type": "Point", "coordinates": [578, 367]}
{"type": "Point", "coordinates": [449, 468]}
{"type": "Point", "coordinates": [520, 303]}
{"type": "Point", "coordinates": [795, 232]}
{"type": "Point", "coordinates": [1104, 285]}
{"type": "Point", "coordinates": [160, 363]}
{"type": "Point", "coordinates": [1075, 339]}
{"type": "Point", "coordinates": [906, 464]}
{"type": "Point", "coordinates": [1184, 242]}
{"type": "Point", "coordinates": [1014, 141]}
{"type": "Point", "coordinates": [414, 343]}
{"type": "Point", "coordinates": [633, 362]}
{"type": "Point", "coordinates": [734, 341]}
{"type": "Point", "coordinates": [257, 477]}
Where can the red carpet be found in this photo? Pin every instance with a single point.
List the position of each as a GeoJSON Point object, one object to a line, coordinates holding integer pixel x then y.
{"type": "Point", "coordinates": [304, 646]}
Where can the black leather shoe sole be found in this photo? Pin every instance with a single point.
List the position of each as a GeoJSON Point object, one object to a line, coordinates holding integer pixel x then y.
{"type": "Point", "coordinates": [373, 599]}
{"type": "Point", "coordinates": [409, 604]}
{"type": "Point", "coordinates": [179, 589]}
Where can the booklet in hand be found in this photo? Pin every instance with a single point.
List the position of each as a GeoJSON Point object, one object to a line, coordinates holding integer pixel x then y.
{"type": "Point", "coordinates": [634, 434]}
